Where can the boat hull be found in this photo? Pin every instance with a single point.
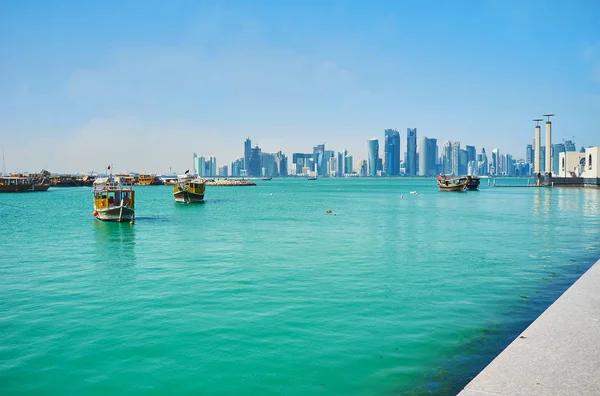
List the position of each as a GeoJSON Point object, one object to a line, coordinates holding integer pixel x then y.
{"type": "Point", "coordinates": [117, 214]}
{"type": "Point", "coordinates": [453, 188]}
{"type": "Point", "coordinates": [188, 197]}
{"type": "Point", "coordinates": [473, 183]}
{"type": "Point", "coordinates": [24, 188]}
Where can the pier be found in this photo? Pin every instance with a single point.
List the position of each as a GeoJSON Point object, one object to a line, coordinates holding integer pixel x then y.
{"type": "Point", "coordinates": [558, 354]}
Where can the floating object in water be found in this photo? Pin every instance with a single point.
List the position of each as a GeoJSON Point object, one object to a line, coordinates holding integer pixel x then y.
{"type": "Point", "coordinates": [401, 196]}
{"type": "Point", "coordinates": [95, 213]}
{"type": "Point", "coordinates": [328, 211]}
{"type": "Point", "coordinates": [413, 192]}
{"type": "Point", "coordinates": [270, 194]}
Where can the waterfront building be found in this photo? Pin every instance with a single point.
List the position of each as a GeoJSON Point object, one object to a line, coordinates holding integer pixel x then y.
{"type": "Point", "coordinates": [302, 160]}
{"type": "Point", "coordinates": [236, 167]}
{"type": "Point", "coordinates": [463, 162]}
{"type": "Point", "coordinates": [529, 154]}
{"type": "Point", "coordinates": [482, 163]}
{"type": "Point", "coordinates": [471, 153]}
{"type": "Point", "coordinates": [432, 161]}
{"type": "Point", "coordinates": [340, 164]}
{"type": "Point", "coordinates": [320, 160]}
{"type": "Point", "coordinates": [254, 163]}
{"type": "Point", "coordinates": [373, 156]}
{"type": "Point", "coordinates": [195, 164]}
{"type": "Point", "coordinates": [267, 165]}
{"type": "Point", "coordinates": [542, 156]}
{"type": "Point", "coordinates": [455, 158]}
{"type": "Point", "coordinates": [223, 171]}
{"type": "Point", "coordinates": [392, 152]}
{"type": "Point", "coordinates": [200, 165]}
{"type": "Point", "coordinates": [556, 150]}
{"type": "Point", "coordinates": [411, 151]}
{"type": "Point", "coordinates": [447, 157]}
{"type": "Point", "coordinates": [212, 166]}
{"type": "Point", "coordinates": [362, 166]}
{"type": "Point", "coordinates": [509, 165]}
{"type": "Point", "coordinates": [423, 153]}
{"type": "Point", "coordinates": [348, 166]}
{"type": "Point", "coordinates": [281, 164]}
{"type": "Point", "coordinates": [472, 168]}
{"type": "Point", "coordinates": [495, 165]}
{"type": "Point", "coordinates": [247, 154]}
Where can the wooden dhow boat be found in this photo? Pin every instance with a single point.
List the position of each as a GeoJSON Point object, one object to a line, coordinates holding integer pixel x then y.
{"type": "Point", "coordinates": [189, 189]}
{"type": "Point", "coordinates": [114, 199]}
{"type": "Point", "coordinates": [449, 183]}
{"type": "Point", "coordinates": [473, 183]}
{"type": "Point", "coordinates": [23, 183]}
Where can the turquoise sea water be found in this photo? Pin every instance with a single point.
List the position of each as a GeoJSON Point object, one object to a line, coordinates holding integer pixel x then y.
{"type": "Point", "coordinates": [260, 291]}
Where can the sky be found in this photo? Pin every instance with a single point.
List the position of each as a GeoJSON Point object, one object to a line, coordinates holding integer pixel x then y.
{"type": "Point", "coordinates": [144, 84]}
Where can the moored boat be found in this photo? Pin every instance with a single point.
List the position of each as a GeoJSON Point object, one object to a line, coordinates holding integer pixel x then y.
{"type": "Point", "coordinates": [311, 178]}
{"type": "Point", "coordinates": [448, 183]}
{"type": "Point", "coordinates": [148, 180]}
{"type": "Point", "coordinates": [189, 189]}
{"type": "Point", "coordinates": [23, 183]}
{"type": "Point", "coordinates": [267, 178]}
{"type": "Point", "coordinates": [472, 183]}
{"type": "Point", "coordinates": [114, 199]}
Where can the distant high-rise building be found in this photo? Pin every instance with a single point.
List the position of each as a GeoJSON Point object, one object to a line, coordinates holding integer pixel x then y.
{"type": "Point", "coordinates": [482, 163]}
{"type": "Point", "coordinates": [302, 160]}
{"type": "Point", "coordinates": [529, 154]}
{"type": "Point", "coordinates": [432, 161]}
{"type": "Point", "coordinates": [320, 160]}
{"type": "Point", "coordinates": [223, 171]}
{"type": "Point", "coordinates": [212, 160]}
{"type": "Point", "coordinates": [471, 153]}
{"type": "Point", "coordinates": [556, 149]}
{"type": "Point", "coordinates": [281, 164]}
{"type": "Point", "coordinates": [423, 147]}
{"type": "Point", "coordinates": [392, 152]}
{"type": "Point", "coordinates": [340, 164]}
{"type": "Point", "coordinates": [463, 162]}
{"type": "Point", "coordinates": [542, 157]}
{"type": "Point", "coordinates": [447, 157]}
{"type": "Point", "coordinates": [411, 151]}
{"type": "Point", "coordinates": [348, 169]}
{"type": "Point", "coordinates": [247, 153]}
{"type": "Point", "coordinates": [456, 158]}
{"type": "Point", "coordinates": [236, 167]}
{"type": "Point", "coordinates": [373, 157]}
{"type": "Point", "coordinates": [362, 167]}
{"type": "Point", "coordinates": [254, 163]}
{"type": "Point", "coordinates": [200, 166]}
{"type": "Point", "coordinates": [495, 165]}
{"type": "Point", "coordinates": [570, 146]}
{"type": "Point", "coordinates": [267, 165]}
{"type": "Point", "coordinates": [195, 164]}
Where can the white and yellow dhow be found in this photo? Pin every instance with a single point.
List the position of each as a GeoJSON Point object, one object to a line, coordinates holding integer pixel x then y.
{"type": "Point", "coordinates": [189, 189]}
{"type": "Point", "coordinates": [114, 199]}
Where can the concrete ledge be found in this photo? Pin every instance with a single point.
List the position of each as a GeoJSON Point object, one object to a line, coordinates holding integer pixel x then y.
{"type": "Point", "coordinates": [558, 354]}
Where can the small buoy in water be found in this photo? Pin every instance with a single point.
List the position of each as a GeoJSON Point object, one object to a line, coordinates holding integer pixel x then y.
{"type": "Point", "coordinates": [401, 196]}
{"type": "Point", "coordinates": [95, 213]}
{"type": "Point", "coordinates": [328, 211]}
{"type": "Point", "coordinates": [131, 222]}
{"type": "Point", "coordinates": [271, 194]}
{"type": "Point", "coordinates": [413, 192]}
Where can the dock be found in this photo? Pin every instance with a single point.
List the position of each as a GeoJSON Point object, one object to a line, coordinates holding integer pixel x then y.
{"type": "Point", "coordinates": [558, 354]}
{"type": "Point", "coordinates": [229, 182]}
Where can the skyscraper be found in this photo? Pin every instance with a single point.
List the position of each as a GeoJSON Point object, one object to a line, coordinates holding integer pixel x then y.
{"type": "Point", "coordinates": [247, 153]}
{"type": "Point", "coordinates": [423, 156]}
{"type": "Point", "coordinates": [373, 156]}
{"type": "Point", "coordinates": [320, 160]}
{"type": "Point", "coordinates": [447, 157]}
{"type": "Point", "coordinates": [529, 154]}
{"type": "Point", "coordinates": [495, 166]}
{"type": "Point", "coordinates": [432, 151]}
{"type": "Point", "coordinates": [482, 163]}
{"type": "Point", "coordinates": [200, 167]}
{"type": "Point", "coordinates": [348, 166]}
{"type": "Point", "coordinates": [392, 152]}
{"type": "Point", "coordinates": [254, 163]}
{"type": "Point", "coordinates": [556, 149]}
{"type": "Point", "coordinates": [463, 162]}
{"type": "Point", "coordinates": [456, 158]}
{"type": "Point", "coordinates": [340, 164]}
{"type": "Point", "coordinates": [411, 151]}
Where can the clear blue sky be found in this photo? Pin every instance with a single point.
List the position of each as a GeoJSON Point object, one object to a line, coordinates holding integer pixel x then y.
{"type": "Point", "coordinates": [143, 84]}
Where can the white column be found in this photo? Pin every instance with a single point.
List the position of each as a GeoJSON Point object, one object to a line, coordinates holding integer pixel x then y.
{"type": "Point", "coordinates": [548, 147]}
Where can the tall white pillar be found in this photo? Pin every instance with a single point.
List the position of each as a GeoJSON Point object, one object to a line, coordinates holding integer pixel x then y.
{"type": "Point", "coordinates": [548, 147]}
{"type": "Point", "coordinates": [537, 152]}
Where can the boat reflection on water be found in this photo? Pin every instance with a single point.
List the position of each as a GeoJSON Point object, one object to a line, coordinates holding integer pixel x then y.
{"type": "Point", "coordinates": [115, 244]}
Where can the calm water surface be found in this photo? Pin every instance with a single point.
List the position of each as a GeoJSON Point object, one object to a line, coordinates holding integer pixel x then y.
{"type": "Point", "coordinates": [260, 291]}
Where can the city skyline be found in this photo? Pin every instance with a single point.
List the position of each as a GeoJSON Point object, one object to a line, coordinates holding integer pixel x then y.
{"type": "Point", "coordinates": [76, 78]}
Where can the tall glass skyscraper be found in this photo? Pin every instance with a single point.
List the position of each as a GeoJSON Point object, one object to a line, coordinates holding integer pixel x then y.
{"type": "Point", "coordinates": [495, 167]}
{"type": "Point", "coordinates": [247, 153]}
{"type": "Point", "coordinates": [392, 152]}
{"type": "Point", "coordinates": [320, 160]}
{"type": "Point", "coordinates": [373, 157]}
{"type": "Point", "coordinates": [423, 156]}
{"type": "Point", "coordinates": [411, 151]}
{"type": "Point", "coordinates": [455, 158]}
{"type": "Point", "coordinates": [432, 152]}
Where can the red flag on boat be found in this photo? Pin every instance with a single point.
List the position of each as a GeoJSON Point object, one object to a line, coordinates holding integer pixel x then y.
{"type": "Point", "coordinates": [108, 167]}
{"type": "Point", "coordinates": [187, 171]}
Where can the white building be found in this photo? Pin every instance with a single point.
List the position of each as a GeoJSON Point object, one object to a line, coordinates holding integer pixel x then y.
{"type": "Point", "coordinates": [575, 164]}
